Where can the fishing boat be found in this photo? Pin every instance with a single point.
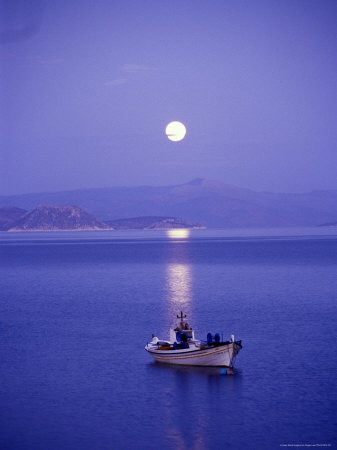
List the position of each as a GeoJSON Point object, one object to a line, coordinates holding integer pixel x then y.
{"type": "Point", "coordinates": [183, 348]}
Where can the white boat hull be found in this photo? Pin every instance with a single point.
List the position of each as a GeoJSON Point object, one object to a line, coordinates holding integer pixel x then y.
{"type": "Point", "coordinates": [223, 355]}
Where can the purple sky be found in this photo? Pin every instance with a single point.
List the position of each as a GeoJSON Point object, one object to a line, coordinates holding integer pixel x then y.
{"type": "Point", "coordinates": [87, 88]}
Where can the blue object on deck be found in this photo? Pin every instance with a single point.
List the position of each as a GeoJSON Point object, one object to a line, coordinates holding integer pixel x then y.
{"type": "Point", "coordinates": [223, 372]}
{"type": "Point", "coordinates": [209, 338]}
{"type": "Point", "coordinates": [178, 336]}
{"type": "Point", "coordinates": [217, 337]}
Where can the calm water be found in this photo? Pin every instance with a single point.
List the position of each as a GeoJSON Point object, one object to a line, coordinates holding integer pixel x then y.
{"type": "Point", "coordinates": [76, 310]}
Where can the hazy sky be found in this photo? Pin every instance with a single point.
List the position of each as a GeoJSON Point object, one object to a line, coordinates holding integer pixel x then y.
{"type": "Point", "coordinates": [87, 88]}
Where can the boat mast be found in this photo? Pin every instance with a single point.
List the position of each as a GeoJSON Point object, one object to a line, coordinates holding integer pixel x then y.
{"type": "Point", "coordinates": [181, 317]}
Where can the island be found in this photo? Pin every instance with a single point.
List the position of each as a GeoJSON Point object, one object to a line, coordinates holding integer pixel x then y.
{"type": "Point", "coordinates": [49, 218]}
{"type": "Point", "coordinates": [73, 218]}
{"type": "Point", "coordinates": [151, 223]}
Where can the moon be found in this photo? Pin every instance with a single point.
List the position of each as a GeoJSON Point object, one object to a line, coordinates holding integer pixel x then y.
{"type": "Point", "coordinates": [175, 131]}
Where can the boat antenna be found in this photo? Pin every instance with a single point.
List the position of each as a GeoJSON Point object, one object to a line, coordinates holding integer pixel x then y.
{"type": "Point", "coordinates": [182, 316]}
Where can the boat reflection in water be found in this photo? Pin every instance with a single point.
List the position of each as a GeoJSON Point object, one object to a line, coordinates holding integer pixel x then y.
{"type": "Point", "coordinates": [194, 393]}
{"type": "Point", "coordinates": [196, 372]}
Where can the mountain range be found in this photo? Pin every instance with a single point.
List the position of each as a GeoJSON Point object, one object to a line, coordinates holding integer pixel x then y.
{"type": "Point", "coordinates": [208, 202]}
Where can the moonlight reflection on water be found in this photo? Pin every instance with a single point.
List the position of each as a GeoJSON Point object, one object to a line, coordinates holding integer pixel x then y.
{"type": "Point", "coordinates": [179, 280]}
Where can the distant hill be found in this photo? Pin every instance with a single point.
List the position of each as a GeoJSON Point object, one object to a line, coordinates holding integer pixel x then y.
{"type": "Point", "coordinates": [150, 223]}
{"type": "Point", "coordinates": [209, 202]}
{"type": "Point", "coordinates": [329, 224]}
{"type": "Point", "coordinates": [54, 218]}
{"type": "Point", "coordinates": [9, 215]}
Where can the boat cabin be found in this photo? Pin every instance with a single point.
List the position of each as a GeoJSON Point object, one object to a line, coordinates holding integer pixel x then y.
{"type": "Point", "coordinates": [182, 332]}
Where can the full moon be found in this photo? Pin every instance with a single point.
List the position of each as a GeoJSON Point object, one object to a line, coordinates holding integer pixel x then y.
{"type": "Point", "coordinates": [175, 131]}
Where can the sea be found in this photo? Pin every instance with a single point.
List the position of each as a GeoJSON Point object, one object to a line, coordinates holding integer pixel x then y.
{"type": "Point", "coordinates": [77, 309]}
